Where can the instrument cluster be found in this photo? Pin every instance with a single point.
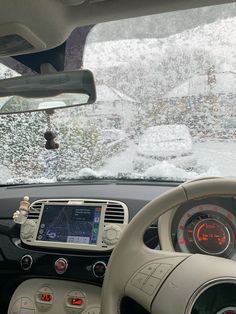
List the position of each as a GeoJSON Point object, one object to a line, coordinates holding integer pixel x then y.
{"type": "Point", "coordinates": [207, 227]}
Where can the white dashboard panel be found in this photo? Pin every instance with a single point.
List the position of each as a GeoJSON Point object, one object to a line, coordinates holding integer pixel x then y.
{"type": "Point", "coordinates": [35, 296]}
{"type": "Point", "coordinates": [114, 218]}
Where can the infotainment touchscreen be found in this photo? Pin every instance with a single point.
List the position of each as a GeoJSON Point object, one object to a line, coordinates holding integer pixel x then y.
{"type": "Point", "coordinates": [70, 223]}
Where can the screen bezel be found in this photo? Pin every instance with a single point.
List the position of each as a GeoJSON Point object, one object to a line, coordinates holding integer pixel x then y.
{"type": "Point", "coordinates": [68, 245]}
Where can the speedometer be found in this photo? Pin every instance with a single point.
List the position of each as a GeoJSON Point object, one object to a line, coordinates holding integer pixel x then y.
{"type": "Point", "coordinates": [207, 229]}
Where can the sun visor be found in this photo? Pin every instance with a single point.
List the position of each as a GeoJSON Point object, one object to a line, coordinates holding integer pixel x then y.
{"type": "Point", "coordinates": [18, 39]}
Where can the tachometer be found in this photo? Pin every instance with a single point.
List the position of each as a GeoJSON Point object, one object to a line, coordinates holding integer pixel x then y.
{"type": "Point", "coordinates": [207, 229]}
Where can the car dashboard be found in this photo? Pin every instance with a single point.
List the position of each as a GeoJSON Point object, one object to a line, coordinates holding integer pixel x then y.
{"type": "Point", "coordinates": [46, 271]}
{"type": "Point", "coordinates": [42, 273]}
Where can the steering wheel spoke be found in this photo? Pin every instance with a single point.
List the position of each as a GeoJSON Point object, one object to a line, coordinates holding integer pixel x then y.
{"type": "Point", "coordinates": [146, 281]}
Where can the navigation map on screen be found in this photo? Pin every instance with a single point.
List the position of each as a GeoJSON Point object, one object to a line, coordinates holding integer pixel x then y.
{"type": "Point", "coordinates": [70, 223]}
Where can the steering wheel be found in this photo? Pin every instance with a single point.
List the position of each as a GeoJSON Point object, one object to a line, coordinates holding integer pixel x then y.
{"type": "Point", "coordinates": [164, 282]}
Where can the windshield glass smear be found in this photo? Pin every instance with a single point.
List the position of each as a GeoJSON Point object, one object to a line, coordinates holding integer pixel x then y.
{"type": "Point", "coordinates": [165, 105]}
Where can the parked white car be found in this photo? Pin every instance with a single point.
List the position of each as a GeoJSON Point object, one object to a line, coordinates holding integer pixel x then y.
{"type": "Point", "coordinates": [172, 143]}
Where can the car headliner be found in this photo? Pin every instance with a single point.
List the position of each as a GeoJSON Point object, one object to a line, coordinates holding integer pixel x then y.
{"type": "Point", "coordinates": [46, 24]}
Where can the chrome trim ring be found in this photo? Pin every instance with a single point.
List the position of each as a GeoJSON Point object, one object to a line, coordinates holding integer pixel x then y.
{"type": "Point", "coordinates": [224, 310]}
{"type": "Point", "coordinates": [204, 287]}
{"type": "Point", "coordinates": [30, 264]}
{"type": "Point", "coordinates": [94, 272]}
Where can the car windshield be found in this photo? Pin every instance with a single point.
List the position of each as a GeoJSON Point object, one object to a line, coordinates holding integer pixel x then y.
{"type": "Point", "coordinates": [165, 106]}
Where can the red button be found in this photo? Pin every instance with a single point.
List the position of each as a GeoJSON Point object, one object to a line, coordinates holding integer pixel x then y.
{"type": "Point", "coordinates": [46, 297]}
{"type": "Point", "coordinates": [61, 265]}
{"type": "Point", "coordinates": [77, 301]}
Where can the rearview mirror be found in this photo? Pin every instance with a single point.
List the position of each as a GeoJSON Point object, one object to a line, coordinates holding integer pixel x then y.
{"type": "Point", "coordinates": [47, 91]}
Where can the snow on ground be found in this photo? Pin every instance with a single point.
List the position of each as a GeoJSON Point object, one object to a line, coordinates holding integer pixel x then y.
{"type": "Point", "coordinates": [214, 158]}
{"type": "Point", "coordinates": [220, 156]}
{"type": "Point", "coordinates": [121, 163]}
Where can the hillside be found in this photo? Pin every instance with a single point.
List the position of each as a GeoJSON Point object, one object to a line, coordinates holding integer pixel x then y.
{"type": "Point", "coordinates": [151, 68]}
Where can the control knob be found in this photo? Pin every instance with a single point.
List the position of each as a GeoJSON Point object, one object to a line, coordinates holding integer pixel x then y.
{"type": "Point", "coordinates": [99, 269]}
{"type": "Point", "coordinates": [111, 234]}
{"type": "Point", "coordinates": [26, 262]}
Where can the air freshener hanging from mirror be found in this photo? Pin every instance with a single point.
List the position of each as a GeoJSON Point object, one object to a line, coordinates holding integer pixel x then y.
{"type": "Point", "coordinates": [49, 135]}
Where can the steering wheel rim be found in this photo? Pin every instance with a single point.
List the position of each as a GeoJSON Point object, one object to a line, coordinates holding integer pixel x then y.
{"type": "Point", "coordinates": [131, 258]}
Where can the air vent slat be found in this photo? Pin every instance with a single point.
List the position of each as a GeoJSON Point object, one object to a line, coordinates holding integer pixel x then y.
{"type": "Point", "coordinates": [114, 221]}
{"type": "Point", "coordinates": [114, 207]}
{"type": "Point", "coordinates": [33, 216]}
{"type": "Point", "coordinates": [115, 214]}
